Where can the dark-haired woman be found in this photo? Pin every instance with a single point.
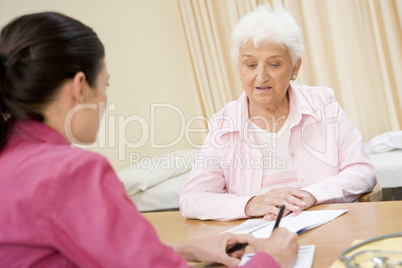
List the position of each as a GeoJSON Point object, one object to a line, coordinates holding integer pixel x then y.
{"type": "Point", "coordinates": [61, 206]}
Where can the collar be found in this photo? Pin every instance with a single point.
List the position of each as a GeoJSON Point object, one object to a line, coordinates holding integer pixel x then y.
{"type": "Point", "coordinates": [33, 129]}
{"type": "Point", "coordinates": [235, 116]}
{"type": "Point", "coordinates": [299, 105]}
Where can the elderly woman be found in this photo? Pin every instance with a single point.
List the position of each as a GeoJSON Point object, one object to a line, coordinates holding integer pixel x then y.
{"type": "Point", "coordinates": [278, 144]}
{"type": "Point", "coordinates": [61, 206]}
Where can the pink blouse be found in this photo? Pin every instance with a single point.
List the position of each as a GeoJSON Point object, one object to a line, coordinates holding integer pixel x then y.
{"type": "Point", "coordinates": [62, 206]}
{"type": "Point", "coordinates": [326, 152]}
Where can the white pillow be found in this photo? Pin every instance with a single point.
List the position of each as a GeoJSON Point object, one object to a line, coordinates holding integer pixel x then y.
{"type": "Point", "coordinates": [163, 196]}
{"type": "Point", "coordinates": [150, 171]}
{"type": "Point", "coordinates": [385, 142]}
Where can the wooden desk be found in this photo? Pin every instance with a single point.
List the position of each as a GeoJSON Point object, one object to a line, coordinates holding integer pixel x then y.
{"type": "Point", "coordinates": [362, 221]}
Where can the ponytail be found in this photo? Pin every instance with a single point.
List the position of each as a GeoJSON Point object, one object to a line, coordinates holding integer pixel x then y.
{"type": "Point", "coordinates": [4, 123]}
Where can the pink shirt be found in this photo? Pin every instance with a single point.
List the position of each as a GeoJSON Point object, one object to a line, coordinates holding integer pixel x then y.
{"type": "Point", "coordinates": [61, 206]}
{"type": "Point", "coordinates": [327, 155]}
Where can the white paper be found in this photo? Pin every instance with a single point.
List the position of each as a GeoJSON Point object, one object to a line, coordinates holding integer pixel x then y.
{"type": "Point", "coordinates": [304, 259]}
{"type": "Point", "coordinates": [305, 221]}
{"type": "Point", "coordinates": [250, 226]}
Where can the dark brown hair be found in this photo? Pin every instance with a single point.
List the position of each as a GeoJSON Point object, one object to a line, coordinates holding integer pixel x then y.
{"type": "Point", "coordinates": [38, 52]}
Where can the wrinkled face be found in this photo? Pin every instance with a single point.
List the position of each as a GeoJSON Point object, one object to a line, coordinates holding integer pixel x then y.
{"type": "Point", "coordinates": [265, 74]}
{"type": "Point", "coordinates": [86, 120]}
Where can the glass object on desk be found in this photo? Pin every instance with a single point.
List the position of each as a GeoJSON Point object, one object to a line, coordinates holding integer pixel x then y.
{"type": "Point", "coordinates": [379, 251]}
{"type": "Point", "coordinates": [374, 259]}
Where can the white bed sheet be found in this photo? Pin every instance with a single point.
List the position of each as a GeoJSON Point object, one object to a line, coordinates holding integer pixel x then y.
{"type": "Point", "coordinates": [389, 168]}
{"type": "Point", "coordinates": [164, 196]}
{"type": "Point", "coordinates": [156, 184]}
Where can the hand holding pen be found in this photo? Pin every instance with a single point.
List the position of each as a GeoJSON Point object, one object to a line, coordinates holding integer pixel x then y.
{"type": "Point", "coordinates": [243, 245]}
{"type": "Point", "coordinates": [282, 245]}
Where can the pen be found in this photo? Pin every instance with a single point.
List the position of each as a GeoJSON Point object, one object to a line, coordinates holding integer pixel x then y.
{"type": "Point", "coordinates": [243, 245]}
{"type": "Point", "coordinates": [278, 219]}
{"type": "Point", "coordinates": [237, 247]}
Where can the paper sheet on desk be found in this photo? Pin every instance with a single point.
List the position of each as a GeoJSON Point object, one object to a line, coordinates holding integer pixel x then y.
{"type": "Point", "coordinates": [305, 221]}
{"type": "Point", "coordinates": [305, 257]}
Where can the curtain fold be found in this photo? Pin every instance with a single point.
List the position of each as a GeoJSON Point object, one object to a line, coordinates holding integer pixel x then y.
{"type": "Point", "coordinates": [352, 46]}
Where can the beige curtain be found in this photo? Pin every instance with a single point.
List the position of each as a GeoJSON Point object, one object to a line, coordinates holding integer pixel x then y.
{"type": "Point", "coordinates": [352, 46]}
{"type": "Point", "coordinates": [207, 25]}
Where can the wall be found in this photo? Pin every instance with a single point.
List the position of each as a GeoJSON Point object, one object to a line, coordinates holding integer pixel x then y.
{"type": "Point", "coordinates": [151, 98]}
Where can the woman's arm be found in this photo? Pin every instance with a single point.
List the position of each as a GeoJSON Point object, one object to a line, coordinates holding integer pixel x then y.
{"type": "Point", "coordinates": [205, 196]}
{"type": "Point", "coordinates": [280, 250]}
{"type": "Point", "coordinates": [94, 223]}
{"type": "Point", "coordinates": [356, 174]}
{"type": "Point", "coordinates": [91, 215]}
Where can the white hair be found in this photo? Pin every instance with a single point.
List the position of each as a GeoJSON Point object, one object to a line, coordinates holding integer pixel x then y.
{"type": "Point", "coordinates": [266, 25]}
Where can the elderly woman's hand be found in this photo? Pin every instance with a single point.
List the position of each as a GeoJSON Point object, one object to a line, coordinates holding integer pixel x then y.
{"type": "Point", "coordinates": [268, 204]}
